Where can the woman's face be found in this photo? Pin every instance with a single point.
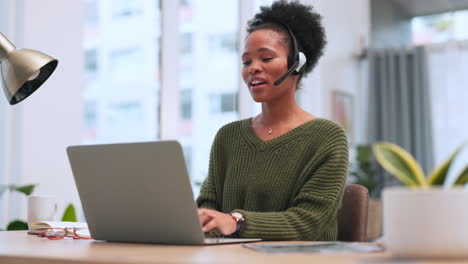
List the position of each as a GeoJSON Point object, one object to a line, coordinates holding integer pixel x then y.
{"type": "Point", "coordinates": [265, 60]}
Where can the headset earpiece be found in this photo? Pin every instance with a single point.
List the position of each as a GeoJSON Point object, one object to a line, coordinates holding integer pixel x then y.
{"type": "Point", "coordinates": [301, 64]}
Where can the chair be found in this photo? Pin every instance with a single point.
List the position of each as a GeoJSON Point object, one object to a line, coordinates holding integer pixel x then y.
{"type": "Point", "coordinates": [352, 216]}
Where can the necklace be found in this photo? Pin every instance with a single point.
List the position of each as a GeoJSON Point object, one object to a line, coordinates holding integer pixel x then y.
{"type": "Point", "coordinates": [270, 131]}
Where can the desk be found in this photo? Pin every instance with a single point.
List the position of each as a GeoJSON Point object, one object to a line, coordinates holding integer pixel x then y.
{"type": "Point", "coordinates": [19, 247]}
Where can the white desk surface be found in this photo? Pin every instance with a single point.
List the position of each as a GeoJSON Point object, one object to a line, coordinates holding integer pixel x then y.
{"type": "Point", "coordinates": [19, 247]}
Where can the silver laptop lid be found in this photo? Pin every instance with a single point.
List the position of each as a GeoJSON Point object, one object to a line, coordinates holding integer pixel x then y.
{"type": "Point", "coordinates": [136, 192]}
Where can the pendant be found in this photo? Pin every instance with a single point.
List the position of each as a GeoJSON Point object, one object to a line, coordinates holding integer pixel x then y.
{"type": "Point", "coordinates": [270, 131]}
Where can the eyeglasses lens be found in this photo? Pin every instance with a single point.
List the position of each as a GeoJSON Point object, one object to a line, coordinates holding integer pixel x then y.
{"type": "Point", "coordinates": [55, 233]}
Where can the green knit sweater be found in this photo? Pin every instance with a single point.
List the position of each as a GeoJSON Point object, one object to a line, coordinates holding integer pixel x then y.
{"type": "Point", "coordinates": [287, 188]}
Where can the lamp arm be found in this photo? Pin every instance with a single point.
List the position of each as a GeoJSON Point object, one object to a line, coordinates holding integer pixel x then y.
{"type": "Point", "coordinates": [5, 46]}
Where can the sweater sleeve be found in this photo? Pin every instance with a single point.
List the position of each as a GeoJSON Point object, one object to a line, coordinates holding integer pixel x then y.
{"type": "Point", "coordinates": [208, 197]}
{"type": "Point", "coordinates": [315, 205]}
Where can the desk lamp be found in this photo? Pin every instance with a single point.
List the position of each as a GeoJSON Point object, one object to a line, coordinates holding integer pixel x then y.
{"type": "Point", "coordinates": [22, 71]}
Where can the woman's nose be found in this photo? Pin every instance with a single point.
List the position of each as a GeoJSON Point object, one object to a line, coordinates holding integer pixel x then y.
{"type": "Point", "coordinates": [254, 68]}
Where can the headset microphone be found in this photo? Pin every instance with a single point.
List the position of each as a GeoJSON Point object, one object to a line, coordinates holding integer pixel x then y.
{"type": "Point", "coordinates": [299, 57]}
{"type": "Point", "coordinates": [295, 69]}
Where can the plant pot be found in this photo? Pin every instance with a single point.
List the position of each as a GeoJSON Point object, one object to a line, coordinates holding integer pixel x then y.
{"type": "Point", "coordinates": [426, 223]}
{"type": "Point", "coordinates": [374, 219]}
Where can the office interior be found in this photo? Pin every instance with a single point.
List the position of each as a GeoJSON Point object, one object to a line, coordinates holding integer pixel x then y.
{"type": "Point", "coordinates": [146, 70]}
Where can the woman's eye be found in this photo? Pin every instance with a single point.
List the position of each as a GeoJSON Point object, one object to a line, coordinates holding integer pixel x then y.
{"type": "Point", "coordinates": [245, 63]}
{"type": "Point", "coordinates": [266, 59]}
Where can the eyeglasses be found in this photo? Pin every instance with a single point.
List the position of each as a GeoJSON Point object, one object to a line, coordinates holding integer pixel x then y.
{"type": "Point", "coordinates": [60, 233]}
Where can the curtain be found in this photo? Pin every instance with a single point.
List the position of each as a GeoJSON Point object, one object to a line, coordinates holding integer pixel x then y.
{"type": "Point", "coordinates": [399, 103]}
{"type": "Point", "coordinates": [448, 78]}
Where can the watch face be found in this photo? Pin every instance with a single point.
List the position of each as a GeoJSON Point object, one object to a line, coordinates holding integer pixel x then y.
{"type": "Point", "coordinates": [237, 215]}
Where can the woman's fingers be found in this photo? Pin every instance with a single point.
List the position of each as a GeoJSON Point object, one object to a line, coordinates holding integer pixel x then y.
{"type": "Point", "coordinates": [205, 215]}
{"type": "Point", "coordinates": [210, 225]}
{"type": "Point", "coordinates": [212, 219]}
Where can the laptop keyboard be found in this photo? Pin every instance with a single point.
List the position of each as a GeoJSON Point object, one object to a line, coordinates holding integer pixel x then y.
{"type": "Point", "coordinates": [221, 240]}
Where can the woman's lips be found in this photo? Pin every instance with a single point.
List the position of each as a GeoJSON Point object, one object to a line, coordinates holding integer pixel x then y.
{"type": "Point", "coordinates": [258, 87]}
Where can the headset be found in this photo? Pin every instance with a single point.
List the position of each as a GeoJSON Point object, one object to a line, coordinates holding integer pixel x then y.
{"type": "Point", "coordinates": [299, 59]}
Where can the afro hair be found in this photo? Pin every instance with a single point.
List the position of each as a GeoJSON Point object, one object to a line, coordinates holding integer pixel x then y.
{"type": "Point", "coordinates": [304, 23]}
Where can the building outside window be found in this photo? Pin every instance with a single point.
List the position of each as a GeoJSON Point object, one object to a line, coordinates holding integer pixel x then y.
{"type": "Point", "coordinates": [122, 9]}
{"type": "Point", "coordinates": [122, 60]}
{"type": "Point", "coordinates": [210, 65]}
{"type": "Point", "coordinates": [122, 51]}
{"type": "Point", "coordinates": [186, 104]}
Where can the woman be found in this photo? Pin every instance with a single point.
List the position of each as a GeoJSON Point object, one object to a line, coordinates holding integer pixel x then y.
{"type": "Point", "coordinates": [279, 175]}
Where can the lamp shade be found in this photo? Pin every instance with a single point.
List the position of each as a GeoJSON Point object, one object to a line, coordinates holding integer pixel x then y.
{"type": "Point", "coordinates": [22, 71]}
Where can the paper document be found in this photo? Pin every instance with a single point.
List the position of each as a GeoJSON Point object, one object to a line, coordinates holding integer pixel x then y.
{"type": "Point", "coordinates": [316, 247]}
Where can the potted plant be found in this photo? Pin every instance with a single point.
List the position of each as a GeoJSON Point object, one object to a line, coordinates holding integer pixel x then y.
{"type": "Point", "coordinates": [18, 224]}
{"type": "Point", "coordinates": [424, 220]}
{"type": "Point", "coordinates": [363, 171]}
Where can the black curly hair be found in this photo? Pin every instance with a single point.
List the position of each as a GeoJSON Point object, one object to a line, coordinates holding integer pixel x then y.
{"type": "Point", "coordinates": [304, 23]}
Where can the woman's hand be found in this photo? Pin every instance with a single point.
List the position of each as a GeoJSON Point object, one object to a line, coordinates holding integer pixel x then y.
{"type": "Point", "coordinates": [212, 219]}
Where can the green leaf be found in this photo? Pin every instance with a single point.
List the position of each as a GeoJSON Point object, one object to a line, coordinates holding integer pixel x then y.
{"type": "Point", "coordinates": [70, 214]}
{"type": "Point", "coordinates": [400, 164]}
{"type": "Point", "coordinates": [463, 177]}
{"type": "Point", "coordinates": [17, 225]}
{"type": "Point", "coordinates": [198, 183]}
{"type": "Point", "coordinates": [364, 153]}
{"type": "Point", "coordinates": [438, 176]}
{"type": "Point", "coordinates": [26, 189]}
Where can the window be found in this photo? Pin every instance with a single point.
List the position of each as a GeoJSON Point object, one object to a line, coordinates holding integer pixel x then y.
{"type": "Point", "coordinates": [90, 120]}
{"type": "Point", "coordinates": [123, 51]}
{"type": "Point", "coordinates": [223, 103]}
{"type": "Point", "coordinates": [446, 81]}
{"type": "Point", "coordinates": [228, 102]}
{"type": "Point", "coordinates": [449, 94]}
{"type": "Point", "coordinates": [126, 8]}
{"type": "Point", "coordinates": [209, 65]}
{"type": "Point", "coordinates": [186, 43]}
{"type": "Point", "coordinates": [91, 61]}
{"type": "Point", "coordinates": [440, 27]}
{"type": "Point", "coordinates": [186, 104]}
{"type": "Point", "coordinates": [121, 102]}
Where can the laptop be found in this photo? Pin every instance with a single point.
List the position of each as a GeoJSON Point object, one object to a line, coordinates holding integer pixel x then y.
{"type": "Point", "coordinates": [138, 192]}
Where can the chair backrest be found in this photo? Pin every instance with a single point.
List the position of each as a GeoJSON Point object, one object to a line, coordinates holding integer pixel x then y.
{"type": "Point", "coordinates": [352, 216]}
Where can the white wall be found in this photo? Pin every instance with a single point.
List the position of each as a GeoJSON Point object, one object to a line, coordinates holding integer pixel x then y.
{"type": "Point", "coordinates": [6, 28]}
{"type": "Point", "coordinates": [48, 121]}
{"type": "Point", "coordinates": [347, 24]}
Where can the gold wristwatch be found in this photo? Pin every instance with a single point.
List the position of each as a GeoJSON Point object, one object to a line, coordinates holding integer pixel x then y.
{"type": "Point", "coordinates": [240, 223]}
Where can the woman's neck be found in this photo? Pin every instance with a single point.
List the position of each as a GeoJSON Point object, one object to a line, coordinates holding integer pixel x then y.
{"type": "Point", "coordinates": [278, 113]}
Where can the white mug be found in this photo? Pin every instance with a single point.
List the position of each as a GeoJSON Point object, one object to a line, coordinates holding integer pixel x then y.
{"type": "Point", "coordinates": [41, 208]}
